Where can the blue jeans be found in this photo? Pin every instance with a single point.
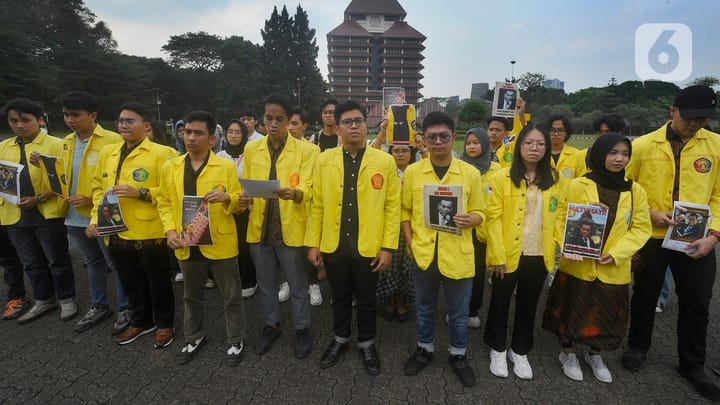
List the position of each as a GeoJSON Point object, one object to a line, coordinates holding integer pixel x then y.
{"type": "Point", "coordinates": [665, 292]}
{"type": "Point", "coordinates": [457, 297]}
{"type": "Point", "coordinates": [99, 265]}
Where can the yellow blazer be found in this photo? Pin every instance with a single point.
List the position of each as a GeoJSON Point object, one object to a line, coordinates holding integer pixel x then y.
{"type": "Point", "coordinates": [218, 174]}
{"type": "Point", "coordinates": [99, 139]}
{"type": "Point", "coordinates": [481, 231]}
{"type": "Point", "coordinates": [141, 169]}
{"type": "Point", "coordinates": [653, 166]}
{"type": "Point", "coordinates": [10, 151]}
{"type": "Point", "coordinates": [456, 258]}
{"type": "Point", "coordinates": [506, 215]}
{"type": "Point", "coordinates": [378, 194]}
{"type": "Point", "coordinates": [571, 163]}
{"type": "Point", "coordinates": [627, 234]}
{"type": "Point", "coordinates": [294, 168]}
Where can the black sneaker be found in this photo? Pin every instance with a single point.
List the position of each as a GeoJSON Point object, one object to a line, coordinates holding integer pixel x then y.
{"type": "Point", "coordinates": [94, 316]}
{"type": "Point", "coordinates": [234, 354]}
{"type": "Point", "coordinates": [269, 335]}
{"type": "Point", "coordinates": [463, 370]}
{"type": "Point", "coordinates": [633, 360]}
{"type": "Point", "coordinates": [702, 384]}
{"type": "Point", "coordinates": [302, 343]}
{"type": "Point", "coordinates": [189, 351]}
{"type": "Point", "coordinates": [417, 361]}
{"type": "Point", "coordinates": [332, 353]}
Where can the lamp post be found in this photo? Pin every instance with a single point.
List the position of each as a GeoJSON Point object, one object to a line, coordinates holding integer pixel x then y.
{"type": "Point", "coordinates": [512, 71]}
{"type": "Point", "coordinates": [298, 93]}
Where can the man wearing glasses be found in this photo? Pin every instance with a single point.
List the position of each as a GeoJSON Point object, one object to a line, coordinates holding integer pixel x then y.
{"type": "Point", "coordinates": [354, 229]}
{"type": "Point", "coordinates": [678, 162]}
{"type": "Point", "coordinates": [441, 258]}
{"type": "Point", "coordinates": [327, 137]}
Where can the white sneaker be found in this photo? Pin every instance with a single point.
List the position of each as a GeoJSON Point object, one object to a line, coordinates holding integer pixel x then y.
{"type": "Point", "coordinates": [521, 365]}
{"type": "Point", "coordinates": [249, 292]}
{"type": "Point", "coordinates": [284, 293]}
{"type": "Point", "coordinates": [498, 363]}
{"type": "Point", "coordinates": [210, 283]}
{"type": "Point", "coordinates": [179, 278]}
{"type": "Point", "coordinates": [315, 295]}
{"type": "Point", "coordinates": [474, 322]}
{"type": "Point", "coordinates": [599, 369]}
{"type": "Point", "coordinates": [571, 366]}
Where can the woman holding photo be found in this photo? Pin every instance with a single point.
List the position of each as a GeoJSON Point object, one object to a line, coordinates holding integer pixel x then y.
{"type": "Point", "coordinates": [589, 299]}
{"type": "Point", "coordinates": [523, 202]}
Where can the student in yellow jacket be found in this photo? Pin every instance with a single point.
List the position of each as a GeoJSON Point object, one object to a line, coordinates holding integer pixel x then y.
{"type": "Point", "coordinates": [354, 228]}
{"type": "Point", "coordinates": [678, 162]}
{"type": "Point", "coordinates": [523, 203]}
{"type": "Point", "coordinates": [276, 228]}
{"type": "Point", "coordinates": [589, 299]}
{"type": "Point", "coordinates": [35, 222]}
{"type": "Point", "coordinates": [477, 153]}
{"type": "Point", "coordinates": [132, 170]}
{"type": "Point", "coordinates": [200, 173]}
{"type": "Point", "coordinates": [569, 161]}
{"type": "Point", "coordinates": [443, 255]}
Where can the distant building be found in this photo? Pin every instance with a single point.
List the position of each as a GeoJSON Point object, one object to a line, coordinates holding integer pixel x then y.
{"type": "Point", "coordinates": [374, 48]}
{"type": "Point", "coordinates": [554, 84]}
{"type": "Point", "coordinates": [478, 91]}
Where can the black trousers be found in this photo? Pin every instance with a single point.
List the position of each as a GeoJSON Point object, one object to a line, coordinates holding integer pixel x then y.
{"type": "Point", "coordinates": [145, 276]}
{"type": "Point", "coordinates": [478, 285]}
{"type": "Point", "coordinates": [350, 275]}
{"type": "Point", "coordinates": [694, 281]}
{"type": "Point", "coordinates": [12, 267]}
{"type": "Point", "coordinates": [245, 262]}
{"type": "Point", "coordinates": [529, 279]}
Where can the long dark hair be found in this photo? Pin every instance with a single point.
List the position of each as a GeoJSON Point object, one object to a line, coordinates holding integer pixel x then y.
{"type": "Point", "coordinates": [545, 174]}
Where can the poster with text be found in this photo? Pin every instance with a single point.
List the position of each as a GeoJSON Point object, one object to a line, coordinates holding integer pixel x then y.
{"type": "Point", "coordinates": [195, 221]}
{"type": "Point", "coordinates": [692, 223]}
{"type": "Point", "coordinates": [54, 173]}
{"type": "Point", "coordinates": [110, 219]}
{"type": "Point", "coordinates": [10, 181]}
{"type": "Point", "coordinates": [505, 100]}
{"type": "Point", "coordinates": [584, 230]}
{"type": "Point", "coordinates": [440, 204]}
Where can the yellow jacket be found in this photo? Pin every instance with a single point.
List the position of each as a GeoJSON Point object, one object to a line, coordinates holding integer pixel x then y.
{"type": "Point", "coordinates": [218, 174]}
{"type": "Point", "coordinates": [455, 252]}
{"type": "Point", "coordinates": [505, 153]}
{"type": "Point", "coordinates": [378, 194]}
{"type": "Point", "coordinates": [506, 215]}
{"type": "Point", "coordinates": [571, 163]}
{"type": "Point", "coordinates": [99, 138]}
{"type": "Point", "coordinates": [294, 168]}
{"type": "Point", "coordinates": [10, 152]}
{"type": "Point", "coordinates": [627, 234]}
{"type": "Point", "coordinates": [481, 231]}
{"type": "Point", "coordinates": [653, 166]}
{"type": "Point", "coordinates": [141, 169]}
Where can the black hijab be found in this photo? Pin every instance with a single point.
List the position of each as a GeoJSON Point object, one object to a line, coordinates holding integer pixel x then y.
{"type": "Point", "coordinates": [597, 155]}
{"type": "Point", "coordinates": [483, 161]}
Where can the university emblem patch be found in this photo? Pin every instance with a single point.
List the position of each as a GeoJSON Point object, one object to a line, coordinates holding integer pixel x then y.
{"type": "Point", "coordinates": [553, 204]}
{"type": "Point", "coordinates": [140, 175]}
{"type": "Point", "coordinates": [294, 180]}
{"type": "Point", "coordinates": [702, 165]}
{"type": "Point", "coordinates": [377, 181]}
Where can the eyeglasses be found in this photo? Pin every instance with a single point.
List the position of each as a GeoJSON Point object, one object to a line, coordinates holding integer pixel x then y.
{"type": "Point", "coordinates": [349, 122]}
{"type": "Point", "coordinates": [125, 121]}
{"type": "Point", "coordinates": [531, 145]}
{"type": "Point", "coordinates": [401, 151]}
{"type": "Point", "coordinates": [557, 130]}
{"type": "Point", "coordinates": [443, 137]}
{"type": "Point", "coordinates": [234, 132]}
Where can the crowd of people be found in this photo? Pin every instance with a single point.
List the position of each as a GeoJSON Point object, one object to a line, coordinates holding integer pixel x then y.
{"type": "Point", "coordinates": [357, 213]}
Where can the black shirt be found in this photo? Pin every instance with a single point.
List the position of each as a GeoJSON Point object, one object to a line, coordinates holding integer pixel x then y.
{"type": "Point", "coordinates": [349, 216]}
{"type": "Point", "coordinates": [272, 228]}
{"type": "Point", "coordinates": [327, 141]}
{"type": "Point", "coordinates": [440, 171]}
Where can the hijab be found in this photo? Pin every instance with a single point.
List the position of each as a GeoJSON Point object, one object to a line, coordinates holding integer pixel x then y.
{"type": "Point", "coordinates": [597, 156]}
{"type": "Point", "coordinates": [483, 161]}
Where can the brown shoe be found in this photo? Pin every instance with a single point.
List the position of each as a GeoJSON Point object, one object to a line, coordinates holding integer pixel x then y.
{"type": "Point", "coordinates": [14, 308]}
{"type": "Point", "coordinates": [130, 334]}
{"type": "Point", "coordinates": [163, 337]}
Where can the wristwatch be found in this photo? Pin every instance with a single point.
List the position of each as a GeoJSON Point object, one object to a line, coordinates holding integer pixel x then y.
{"type": "Point", "coordinates": [41, 198]}
{"type": "Point", "coordinates": [144, 194]}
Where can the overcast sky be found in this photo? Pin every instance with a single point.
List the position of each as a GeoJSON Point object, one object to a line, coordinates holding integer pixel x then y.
{"type": "Point", "coordinates": [582, 42]}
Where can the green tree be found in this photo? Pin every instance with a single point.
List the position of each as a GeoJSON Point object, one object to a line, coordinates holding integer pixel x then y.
{"type": "Point", "coordinates": [473, 112]}
{"type": "Point", "coordinates": [277, 54]}
{"type": "Point", "coordinates": [311, 87]}
{"type": "Point", "coordinates": [710, 81]}
{"type": "Point", "coordinates": [529, 81]}
{"type": "Point", "coordinates": [195, 50]}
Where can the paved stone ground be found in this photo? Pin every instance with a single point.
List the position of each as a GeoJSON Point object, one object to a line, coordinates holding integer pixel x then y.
{"type": "Point", "coordinates": [46, 362]}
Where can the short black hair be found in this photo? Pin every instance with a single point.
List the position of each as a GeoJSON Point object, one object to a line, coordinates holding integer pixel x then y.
{"type": "Point", "coordinates": [438, 118]}
{"type": "Point", "coordinates": [159, 132]}
{"type": "Point", "coordinates": [79, 100]}
{"type": "Point", "coordinates": [23, 106]}
{"type": "Point", "coordinates": [583, 223]}
{"type": "Point", "coordinates": [249, 113]}
{"type": "Point", "coordinates": [203, 116]}
{"type": "Point", "coordinates": [329, 102]}
{"type": "Point", "coordinates": [501, 120]}
{"type": "Point", "coordinates": [301, 113]}
{"type": "Point", "coordinates": [614, 122]}
{"type": "Point", "coordinates": [283, 102]}
{"type": "Point", "coordinates": [566, 123]}
{"type": "Point", "coordinates": [692, 214]}
{"type": "Point", "coordinates": [138, 109]}
{"type": "Point", "coordinates": [349, 105]}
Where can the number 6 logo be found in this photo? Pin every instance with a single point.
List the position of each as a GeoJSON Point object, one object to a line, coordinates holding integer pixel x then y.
{"type": "Point", "coordinates": [663, 52]}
